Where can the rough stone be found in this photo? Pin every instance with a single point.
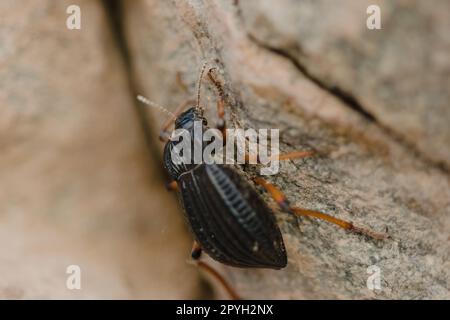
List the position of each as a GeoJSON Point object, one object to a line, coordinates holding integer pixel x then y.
{"type": "Point", "coordinates": [363, 172]}
{"type": "Point", "coordinates": [398, 75]}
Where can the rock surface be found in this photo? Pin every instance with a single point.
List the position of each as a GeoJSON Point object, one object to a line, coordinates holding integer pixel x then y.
{"type": "Point", "coordinates": [398, 75]}
{"type": "Point", "coordinates": [363, 172]}
{"type": "Point", "coordinates": [78, 185]}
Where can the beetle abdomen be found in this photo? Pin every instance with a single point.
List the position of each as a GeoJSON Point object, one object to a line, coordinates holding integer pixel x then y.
{"type": "Point", "coordinates": [230, 220]}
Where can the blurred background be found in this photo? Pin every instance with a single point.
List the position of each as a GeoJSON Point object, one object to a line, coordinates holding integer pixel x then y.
{"type": "Point", "coordinates": [79, 183]}
{"type": "Point", "coordinates": [81, 177]}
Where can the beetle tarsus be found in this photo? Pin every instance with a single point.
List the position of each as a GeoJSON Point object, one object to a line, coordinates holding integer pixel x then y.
{"type": "Point", "coordinates": [213, 272]}
{"type": "Point", "coordinates": [280, 199]}
{"type": "Point", "coordinates": [196, 255]}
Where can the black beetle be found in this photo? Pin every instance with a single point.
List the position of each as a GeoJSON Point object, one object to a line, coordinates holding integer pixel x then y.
{"type": "Point", "coordinates": [229, 219]}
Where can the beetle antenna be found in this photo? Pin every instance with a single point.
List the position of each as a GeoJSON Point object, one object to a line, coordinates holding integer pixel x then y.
{"type": "Point", "coordinates": [154, 105]}
{"type": "Point", "coordinates": [199, 84]}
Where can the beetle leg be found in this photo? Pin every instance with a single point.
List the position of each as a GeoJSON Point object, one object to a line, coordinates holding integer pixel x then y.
{"type": "Point", "coordinates": [218, 276]}
{"type": "Point", "coordinates": [221, 125]}
{"type": "Point", "coordinates": [294, 155]}
{"type": "Point", "coordinates": [196, 254]}
{"type": "Point", "coordinates": [164, 134]}
{"type": "Point", "coordinates": [196, 251]}
{"type": "Point", "coordinates": [342, 223]}
{"type": "Point", "coordinates": [282, 202]}
{"type": "Point", "coordinates": [172, 186]}
{"type": "Point", "coordinates": [220, 101]}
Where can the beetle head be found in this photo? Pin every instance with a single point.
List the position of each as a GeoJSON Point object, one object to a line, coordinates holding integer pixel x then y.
{"type": "Point", "coordinates": [187, 118]}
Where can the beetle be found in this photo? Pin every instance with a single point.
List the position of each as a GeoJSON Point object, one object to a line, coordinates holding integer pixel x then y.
{"type": "Point", "coordinates": [227, 216]}
{"type": "Point", "coordinates": [230, 221]}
